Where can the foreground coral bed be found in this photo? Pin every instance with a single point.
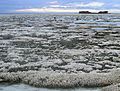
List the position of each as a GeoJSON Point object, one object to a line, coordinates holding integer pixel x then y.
{"type": "Point", "coordinates": [51, 79]}
{"type": "Point", "coordinates": [61, 50]}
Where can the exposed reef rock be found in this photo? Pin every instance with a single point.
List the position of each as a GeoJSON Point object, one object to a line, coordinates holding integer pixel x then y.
{"type": "Point", "coordinates": [60, 50]}
{"type": "Point", "coordinates": [115, 87]}
{"type": "Point", "coordinates": [53, 79]}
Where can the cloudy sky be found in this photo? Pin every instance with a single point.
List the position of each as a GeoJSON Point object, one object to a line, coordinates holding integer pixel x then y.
{"type": "Point", "coordinates": [57, 6]}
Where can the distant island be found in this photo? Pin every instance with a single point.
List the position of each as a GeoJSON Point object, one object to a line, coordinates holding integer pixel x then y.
{"type": "Point", "coordinates": [88, 12]}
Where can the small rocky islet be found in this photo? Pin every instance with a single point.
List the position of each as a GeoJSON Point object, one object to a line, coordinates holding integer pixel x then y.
{"type": "Point", "coordinates": [62, 51]}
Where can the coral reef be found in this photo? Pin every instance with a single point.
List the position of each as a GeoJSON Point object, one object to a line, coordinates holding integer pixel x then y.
{"type": "Point", "coordinates": [60, 50]}
{"type": "Point", "coordinates": [53, 79]}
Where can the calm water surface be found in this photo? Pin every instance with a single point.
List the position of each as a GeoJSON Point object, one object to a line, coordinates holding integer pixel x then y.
{"type": "Point", "coordinates": [23, 87]}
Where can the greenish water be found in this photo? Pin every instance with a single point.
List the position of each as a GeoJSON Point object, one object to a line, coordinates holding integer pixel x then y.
{"type": "Point", "coordinates": [23, 87]}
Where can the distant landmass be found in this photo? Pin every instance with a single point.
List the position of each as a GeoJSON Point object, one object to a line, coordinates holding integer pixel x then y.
{"type": "Point", "coordinates": [88, 12]}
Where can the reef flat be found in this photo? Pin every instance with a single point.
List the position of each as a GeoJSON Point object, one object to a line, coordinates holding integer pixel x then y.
{"type": "Point", "coordinates": [60, 50]}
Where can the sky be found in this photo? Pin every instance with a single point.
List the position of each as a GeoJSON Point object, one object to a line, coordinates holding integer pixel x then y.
{"type": "Point", "coordinates": [58, 6]}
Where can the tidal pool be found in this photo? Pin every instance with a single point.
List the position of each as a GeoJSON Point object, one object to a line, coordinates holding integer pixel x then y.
{"type": "Point", "coordinates": [23, 87]}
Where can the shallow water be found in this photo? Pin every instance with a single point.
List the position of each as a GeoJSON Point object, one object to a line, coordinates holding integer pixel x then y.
{"type": "Point", "coordinates": [22, 87]}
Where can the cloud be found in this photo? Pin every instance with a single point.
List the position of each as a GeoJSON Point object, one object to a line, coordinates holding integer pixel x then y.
{"type": "Point", "coordinates": [63, 10]}
{"type": "Point", "coordinates": [116, 5]}
{"type": "Point", "coordinates": [76, 5]}
{"type": "Point", "coordinates": [58, 6]}
{"type": "Point", "coordinates": [114, 10]}
{"type": "Point", "coordinates": [54, 2]}
{"type": "Point", "coordinates": [43, 10]}
{"type": "Point", "coordinates": [91, 4]}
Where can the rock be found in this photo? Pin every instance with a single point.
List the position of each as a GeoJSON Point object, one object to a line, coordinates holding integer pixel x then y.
{"type": "Point", "coordinates": [85, 61]}
{"type": "Point", "coordinates": [116, 59]}
{"type": "Point", "coordinates": [1, 80]}
{"type": "Point", "coordinates": [87, 69]}
{"type": "Point", "coordinates": [97, 66]}
{"type": "Point", "coordinates": [58, 61]}
{"type": "Point", "coordinates": [108, 67]}
{"type": "Point", "coordinates": [112, 88]}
